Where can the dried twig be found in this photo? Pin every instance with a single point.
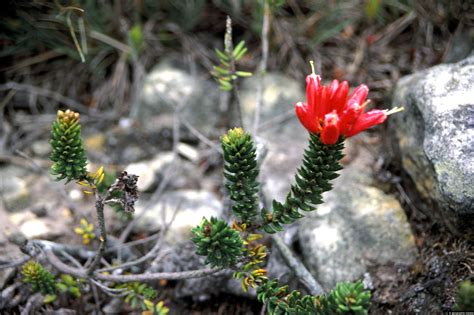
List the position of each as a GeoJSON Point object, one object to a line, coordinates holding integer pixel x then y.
{"type": "Point", "coordinates": [99, 206]}
{"type": "Point", "coordinates": [15, 263]}
{"type": "Point", "coordinates": [45, 93]}
{"type": "Point", "coordinates": [304, 276]}
{"type": "Point", "coordinates": [34, 302]}
{"type": "Point", "coordinates": [110, 41]}
{"type": "Point", "coordinates": [263, 66]}
{"type": "Point", "coordinates": [82, 273]}
{"type": "Point", "coordinates": [151, 254]}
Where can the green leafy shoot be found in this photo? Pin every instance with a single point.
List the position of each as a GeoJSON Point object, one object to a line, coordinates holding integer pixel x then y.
{"type": "Point", "coordinates": [225, 73]}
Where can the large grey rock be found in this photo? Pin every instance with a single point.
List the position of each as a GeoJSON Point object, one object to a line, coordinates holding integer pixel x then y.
{"type": "Point", "coordinates": [357, 226]}
{"type": "Point", "coordinates": [435, 137]}
{"type": "Point", "coordinates": [167, 87]}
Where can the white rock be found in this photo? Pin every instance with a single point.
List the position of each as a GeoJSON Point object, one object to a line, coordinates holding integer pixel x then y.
{"type": "Point", "coordinates": [192, 206]}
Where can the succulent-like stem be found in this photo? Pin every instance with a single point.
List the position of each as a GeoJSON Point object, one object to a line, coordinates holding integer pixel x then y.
{"type": "Point", "coordinates": [68, 152]}
{"type": "Point", "coordinates": [221, 245]}
{"type": "Point", "coordinates": [241, 171]}
{"type": "Point", "coordinates": [346, 298]}
{"type": "Point", "coordinates": [320, 164]}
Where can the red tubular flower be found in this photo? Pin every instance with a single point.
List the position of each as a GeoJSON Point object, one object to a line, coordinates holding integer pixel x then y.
{"type": "Point", "coordinates": [338, 94]}
{"type": "Point", "coordinates": [307, 118]}
{"type": "Point", "coordinates": [330, 132]}
{"type": "Point", "coordinates": [354, 107]}
{"type": "Point", "coordinates": [358, 95]}
{"type": "Point", "coordinates": [313, 85]}
{"type": "Point", "coordinates": [331, 112]}
{"type": "Point", "coordinates": [367, 120]}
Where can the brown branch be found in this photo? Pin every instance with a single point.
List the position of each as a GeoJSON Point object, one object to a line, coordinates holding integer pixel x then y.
{"type": "Point", "coordinates": [82, 273]}
{"type": "Point", "coordinates": [99, 206]}
{"type": "Point", "coordinates": [304, 276]}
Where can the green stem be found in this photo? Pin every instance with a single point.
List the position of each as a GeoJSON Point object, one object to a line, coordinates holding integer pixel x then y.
{"type": "Point", "coordinates": [320, 164]}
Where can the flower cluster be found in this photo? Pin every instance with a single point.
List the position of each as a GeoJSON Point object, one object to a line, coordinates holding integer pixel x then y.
{"type": "Point", "coordinates": [332, 113]}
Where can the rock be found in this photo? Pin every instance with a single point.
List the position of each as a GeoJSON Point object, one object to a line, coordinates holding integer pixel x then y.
{"type": "Point", "coordinates": [167, 87]}
{"type": "Point", "coordinates": [184, 174]}
{"type": "Point", "coordinates": [8, 251]}
{"type": "Point", "coordinates": [5, 276]}
{"type": "Point", "coordinates": [279, 95]}
{"type": "Point", "coordinates": [147, 170]}
{"type": "Point", "coordinates": [357, 226]}
{"type": "Point", "coordinates": [284, 140]}
{"type": "Point", "coordinates": [40, 211]}
{"type": "Point", "coordinates": [188, 152]}
{"type": "Point", "coordinates": [41, 148]}
{"type": "Point", "coordinates": [14, 188]}
{"type": "Point", "coordinates": [37, 228]}
{"type": "Point", "coordinates": [435, 139]}
{"type": "Point", "coordinates": [192, 206]}
{"type": "Point", "coordinates": [32, 227]}
{"type": "Point", "coordinates": [278, 269]}
{"type": "Point", "coordinates": [113, 307]}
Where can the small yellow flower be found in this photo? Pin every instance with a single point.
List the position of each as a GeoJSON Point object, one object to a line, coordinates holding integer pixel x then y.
{"type": "Point", "coordinates": [86, 230]}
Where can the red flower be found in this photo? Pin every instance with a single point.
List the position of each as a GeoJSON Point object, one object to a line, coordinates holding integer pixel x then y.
{"type": "Point", "coordinates": [331, 112]}
{"type": "Point", "coordinates": [331, 131]}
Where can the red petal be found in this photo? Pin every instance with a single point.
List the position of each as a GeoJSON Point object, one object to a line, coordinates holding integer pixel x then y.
{"type": "Point", "coordinates": [358, 95]}
{"type": "Point", "coordinates": [339, 100]}
{"type": "Point", "coordinates": [307, 119]}
{"type": "Point", "coordinates": [323, 103]}
{"type": "Point", "coordinates": [350, 115]}
{"type": "Point", "coordinates": [332, 92]}
{"type": "Point", "coordinates": [367, 120]}
{"type": "Point", "coordinates": [330, 133]}
{"type": "Point", "coordinates": [313, 85]}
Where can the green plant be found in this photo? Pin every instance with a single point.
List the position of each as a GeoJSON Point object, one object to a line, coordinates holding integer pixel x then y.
{"type": "Point", "coordinates": [221, 245]}
{"type": "Point", "coordinates": [40, 279]}
{"type": "Point", "coordinates": [465, 297]}
{"type": "Point", "coordinates": [70, 285]}
{"type": "Point", "coordinates": [320, 164]}
{"type": "Point", "coordinates": [68, 151]}
{"type": "Point", "coordinates": [240, 170]}
{"type": "Point", "coordinates": [135, 39]}
{"type": "Point", "coordinates": [155, 309]}
{"type": "Point", "coordinates": [225, 247]}
{"type": "Point", "coordinates": [346, 298]}
{"type": "Point", "coordinates": [225, 73]}
{"type": "Point", "coordinates": [138, 294]}
{"type": "Point", "coordinates": [330, 115]}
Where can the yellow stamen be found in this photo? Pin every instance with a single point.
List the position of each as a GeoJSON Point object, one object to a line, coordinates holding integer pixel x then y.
{"type": "Point", "coordinates": [311, 63]}
{"type": "Point", "coordinates": [394, 110]}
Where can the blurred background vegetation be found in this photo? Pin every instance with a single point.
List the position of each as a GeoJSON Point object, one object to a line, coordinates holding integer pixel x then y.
{"type": "Point", "coordinates": [373, 41]}
{"type": "Point", "coordinates": [93, 56]}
